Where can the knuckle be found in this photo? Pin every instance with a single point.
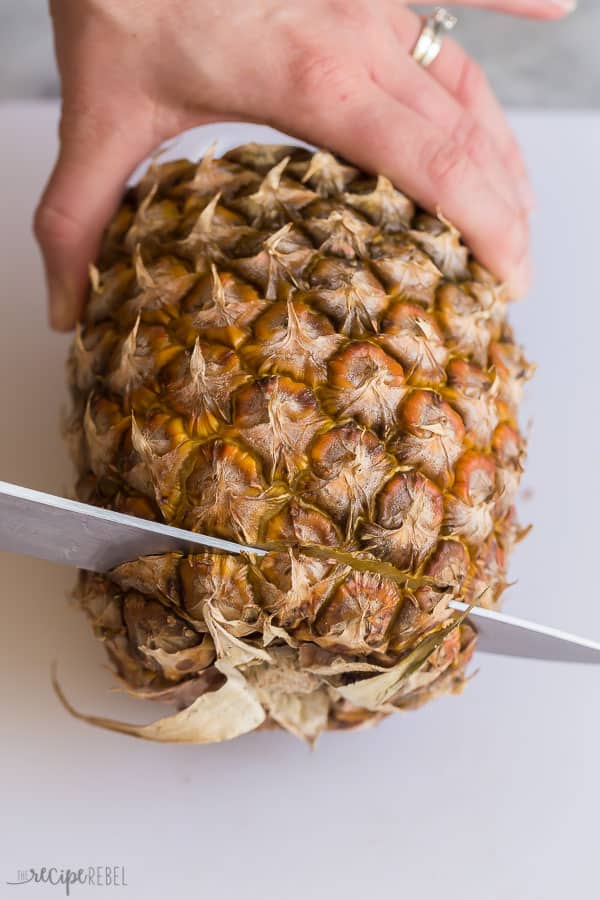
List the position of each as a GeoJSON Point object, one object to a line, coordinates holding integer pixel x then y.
{"type": "Point", "coordinates": [446, 165]}
{"type": "Point", "coordinates": [53, 226]}
{"type": "Point", "coordinates": [311, 73]}
{"type": "Point", "coordinates": [471, 81]}
{"type": "Point", "coordinates": [473, 138]}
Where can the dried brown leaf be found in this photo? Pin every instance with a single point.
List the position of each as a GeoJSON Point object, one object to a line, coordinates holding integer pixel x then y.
{"type": "Point", "coordinates": [229, 647]}
{"type": "Point", "coordinates": [376, 692]}
{"type": "Point", "coordinates": [217, 716]}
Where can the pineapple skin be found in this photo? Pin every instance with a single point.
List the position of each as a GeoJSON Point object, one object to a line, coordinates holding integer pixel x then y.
{"type": "Point", "coordinates": [280, 350]}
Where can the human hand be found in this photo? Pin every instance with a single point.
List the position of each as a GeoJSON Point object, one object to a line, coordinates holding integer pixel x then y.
{"type": "Point", "coordinates": [337, 73]}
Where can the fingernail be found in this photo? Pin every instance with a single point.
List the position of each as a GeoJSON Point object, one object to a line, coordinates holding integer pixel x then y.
{"type": "Point", "coordinates": [521, 280]}
{"type": "Point", "coordinates": [565, 5]}
{"type": "Point", "coordinates": [60, 308]}
{"type": "Point", "coordinates": [526, 195]}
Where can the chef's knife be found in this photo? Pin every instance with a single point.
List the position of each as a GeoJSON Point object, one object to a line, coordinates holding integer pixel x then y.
{"type": "Point", "coordinates": [77, 534]}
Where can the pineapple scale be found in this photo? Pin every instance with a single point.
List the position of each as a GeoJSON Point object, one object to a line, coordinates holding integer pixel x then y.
{"type": "Point", "coordinates": [280, 349]}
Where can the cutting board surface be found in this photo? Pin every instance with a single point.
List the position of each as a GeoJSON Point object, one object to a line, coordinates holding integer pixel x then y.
{"type": "Point", "coordinates": [489, 795]}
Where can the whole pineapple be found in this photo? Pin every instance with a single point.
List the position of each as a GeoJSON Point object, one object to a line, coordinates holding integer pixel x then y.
{"type": "Point", "coordinates": [282, 351]}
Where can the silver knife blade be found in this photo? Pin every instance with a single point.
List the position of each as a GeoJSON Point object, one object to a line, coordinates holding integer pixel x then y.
{"type": "Point", "coordinates": [88, 537]}
{"type": "Point", "coordinates": [509, 636]}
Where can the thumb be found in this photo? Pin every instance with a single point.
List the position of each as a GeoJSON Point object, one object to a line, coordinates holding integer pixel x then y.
{"type": "Point", "coordinates": [93, 164]}
{"type": "Point", "coordinates": [535, 9]}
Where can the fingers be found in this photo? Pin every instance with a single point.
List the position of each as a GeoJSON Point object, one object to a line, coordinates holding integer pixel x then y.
{"type": "Point", "coordinates": [536, 9]}
{"type": "Point", "coordinates": [465, 81]}
{"type": "Point", "coordinates": [463, 78]}
{"type": "Point", "coordinates": [95, 159]}
{"type": "Point", "coordinates": [401, 77]}
{"type": "Point", "coordinates": [358, 119]}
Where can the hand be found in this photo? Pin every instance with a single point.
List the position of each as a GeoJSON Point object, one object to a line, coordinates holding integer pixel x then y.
{"type": "Point", "coordinates": [337, 73]}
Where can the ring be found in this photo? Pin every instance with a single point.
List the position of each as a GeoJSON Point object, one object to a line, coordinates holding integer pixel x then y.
{"type": "Point", "coordinates": [429, 42]}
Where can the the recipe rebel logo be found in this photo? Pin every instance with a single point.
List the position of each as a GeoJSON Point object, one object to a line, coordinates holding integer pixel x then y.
{"type": "Point", "coordinates": [67, 878]}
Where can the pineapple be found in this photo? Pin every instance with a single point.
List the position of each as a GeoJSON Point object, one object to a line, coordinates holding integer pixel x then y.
{"type": "Point", "coordinates": [285, 352]}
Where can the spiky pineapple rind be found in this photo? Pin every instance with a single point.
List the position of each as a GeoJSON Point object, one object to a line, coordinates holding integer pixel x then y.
{"type": "Point", "coordinates": [281, 350]}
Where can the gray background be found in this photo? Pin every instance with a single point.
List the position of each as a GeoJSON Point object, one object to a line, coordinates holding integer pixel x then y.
{"type": "Point", "coordinates": [530, 63]}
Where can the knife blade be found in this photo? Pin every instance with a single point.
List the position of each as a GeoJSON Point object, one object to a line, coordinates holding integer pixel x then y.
{"type": "Point", "coordinates": [64, 531]}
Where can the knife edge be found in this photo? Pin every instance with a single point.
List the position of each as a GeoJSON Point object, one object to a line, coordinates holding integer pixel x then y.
{"type": "Point", "coordinates": [66, 531]}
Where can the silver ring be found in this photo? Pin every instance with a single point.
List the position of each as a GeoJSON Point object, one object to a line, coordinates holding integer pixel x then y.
{"type": "Point", "coordinates": [429, 42]}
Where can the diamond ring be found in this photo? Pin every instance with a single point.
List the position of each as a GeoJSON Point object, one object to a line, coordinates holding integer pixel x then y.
{"type": "Point", "coordinates": [429, 42]}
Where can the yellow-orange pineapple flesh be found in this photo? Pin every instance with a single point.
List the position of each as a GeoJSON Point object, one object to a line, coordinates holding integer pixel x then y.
{"type": "Point", "coordinates": [280, 350]}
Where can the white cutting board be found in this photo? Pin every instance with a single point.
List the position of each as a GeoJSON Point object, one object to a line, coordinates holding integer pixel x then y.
{"type": "Point", "coordinates": [487, 796]}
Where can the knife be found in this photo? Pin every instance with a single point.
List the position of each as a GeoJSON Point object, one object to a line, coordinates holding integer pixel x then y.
{"type": "Point", "coordinates": [88, 537]}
